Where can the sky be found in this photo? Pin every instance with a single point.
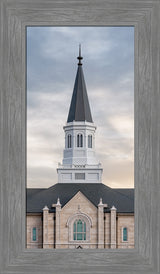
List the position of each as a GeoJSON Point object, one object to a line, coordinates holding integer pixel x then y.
{"type": "Point", "coordinates": [108, 66]}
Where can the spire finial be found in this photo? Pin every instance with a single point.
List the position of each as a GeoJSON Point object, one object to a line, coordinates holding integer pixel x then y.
{"type": "Point", "coordinates": [79, 57]}
{"type": "Point", "coordinates": [80, 50]}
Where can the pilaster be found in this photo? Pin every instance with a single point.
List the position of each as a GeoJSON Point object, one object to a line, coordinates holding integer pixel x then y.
{"type": "Point", "coordinates": [101, 224]}
{"type": "Point", "coordinates": [45, 227]}
{"type": "Point", "coordinates": [58, 224]}
{"type": "Point", "coordinates": [113, 227]}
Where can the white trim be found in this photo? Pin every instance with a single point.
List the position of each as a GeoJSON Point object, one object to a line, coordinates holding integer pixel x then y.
{"type": "Point", "coordinates": [70, 223]}
{"type": "Point", "coordinates": [79, 215]}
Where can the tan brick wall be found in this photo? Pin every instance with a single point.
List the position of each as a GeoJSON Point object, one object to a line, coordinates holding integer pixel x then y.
{"type": "Point", "coordinates": [107, 231]}
{"type": "Point", "coordinates": [34, 220]}
{"type": "Point", "coordinates": [79, 203]}
{"type": "Point", "coordinates": [125, 220]}
{"type": "Point", "coordinates": [51, 230]}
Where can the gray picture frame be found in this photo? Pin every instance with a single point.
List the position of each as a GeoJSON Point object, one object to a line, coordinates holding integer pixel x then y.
{"type": "Point", "coordinates": [144, 15]}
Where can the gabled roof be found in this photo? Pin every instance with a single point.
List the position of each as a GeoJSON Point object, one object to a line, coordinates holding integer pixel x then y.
{"type": "Point", "coordinates": [122, 199]}
{"type": "Point", "coordinates": [79, 108]}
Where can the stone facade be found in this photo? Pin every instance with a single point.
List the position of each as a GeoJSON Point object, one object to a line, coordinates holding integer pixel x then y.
{"type": "Point", "coordinates": [34, 221]}
{"type": "Point", "coordinates": [103, 229]}
{"type": "Point", "coordinates": [125, 220]}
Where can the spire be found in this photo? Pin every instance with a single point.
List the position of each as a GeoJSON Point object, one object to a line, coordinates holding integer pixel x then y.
{"type": "Point", "coordinates": [79, 57]}
{"type": "Point", "coordinates": [79, 107]}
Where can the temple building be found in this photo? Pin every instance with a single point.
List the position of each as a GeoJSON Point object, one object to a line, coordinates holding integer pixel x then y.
{"type": "Point", "coordinates": [80, 211]}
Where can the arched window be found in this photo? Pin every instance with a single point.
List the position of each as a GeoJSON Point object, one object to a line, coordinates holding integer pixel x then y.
{"type": "Point", "coordinates": [79, 140]}
{"type": "Point", "coordinates": [69, 141]}
{"type": "Point", "coordinates": [79, 226]}
{"type": "Point", "coordinates": [34, 234]}
{"type": "Point", "coordinates": [90, 141]}
{"type": "Point", "coordinates": [79, 230]}
{"type": "Point", "coordinates": [125, 234]}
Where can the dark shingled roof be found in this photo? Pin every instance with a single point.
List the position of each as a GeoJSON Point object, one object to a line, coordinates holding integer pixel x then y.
{"type": "Point", "coordinates": [122, 199]}
{"type": "Point", "coordinates": [79, 108]}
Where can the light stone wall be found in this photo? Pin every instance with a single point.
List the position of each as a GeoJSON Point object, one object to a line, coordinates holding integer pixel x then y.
{"type": "Point", "coordinates": [51, 230]}
{"type": "Point", "coordinates": [34, 220]}
{"type": "Point", "coordinates": [125, 220]}
{"type": "Point", "coordinates": [79, 204]}
{"type": "Point", "coordinates": [107, 230]}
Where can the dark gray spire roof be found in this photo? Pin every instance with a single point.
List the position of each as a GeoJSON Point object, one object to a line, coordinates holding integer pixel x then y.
{"type": "Point", "coordinates": [79, 108]}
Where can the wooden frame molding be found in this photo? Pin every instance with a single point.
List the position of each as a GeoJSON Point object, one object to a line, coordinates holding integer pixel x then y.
{"type": "Point", "coordinates": [144, 15]}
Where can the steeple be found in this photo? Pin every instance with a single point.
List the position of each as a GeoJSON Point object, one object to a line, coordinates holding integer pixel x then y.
{"type": "Point", "coordinates": [79, 107]}
{"type": "Point", "coordinates": [79, 164]}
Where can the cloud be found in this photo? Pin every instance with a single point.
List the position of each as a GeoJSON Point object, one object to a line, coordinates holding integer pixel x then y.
{"type": "Point", "coordinates": [44, 177]}
{"type": "Point", "coordinates": [108, 69]}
